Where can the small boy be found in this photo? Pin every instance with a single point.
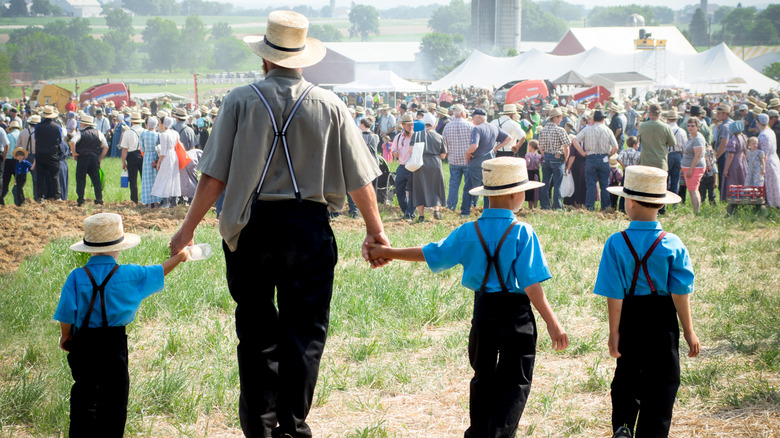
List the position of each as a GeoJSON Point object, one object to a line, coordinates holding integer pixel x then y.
{"type": "Point", "coordinates": [709, 182]}
{"type": "Point", "coordinates": [503, 264]}
{"type": "Point", "coordinates": [21, 169]}
{"type": "Point", "coordinates": [96, 304]}
{"type": "Point", "coordinates": [643, 308]}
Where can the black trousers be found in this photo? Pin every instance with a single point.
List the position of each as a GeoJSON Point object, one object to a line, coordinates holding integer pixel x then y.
{"type": "Point", "coordinates": [502, 351]}
{"type": "Point", "coordinates": [88, 165]}
{"type": "Point", "coordinates": [7, 172]}
{"type": "Point", "coordinates": [648, 372]}
{"type": "Point", "coordinates": [135, 162]}
{"type": "Point", "coordinates": [98, 399]}
{"type": "Point", "coordinates": [21, 180]}
{"type": "Point", "coordinates": [287, 250]}
{"type": "Point", "coordinates": [48, 179]}
{"type": "Point", "coordinates": [707, 189]}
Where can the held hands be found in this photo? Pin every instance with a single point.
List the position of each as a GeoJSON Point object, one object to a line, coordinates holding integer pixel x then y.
{"type": "Point", "coordinates": [181, 240]}
{"type": "Point", "coordinates": [558, 336]}
{"type": "Point", "coordinates": [372, 253]}
{"type": "Point", "coordinates": [694, 347]}
{"type": "Point", "coordinates": [613, 345]}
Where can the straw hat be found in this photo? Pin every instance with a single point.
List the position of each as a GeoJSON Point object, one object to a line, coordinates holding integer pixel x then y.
{"type": "Point", "coordinates": [647, 184]}
{"type": "Point", "coordinates": [104, 232]}
{"type": "Point", "coordinates": [359, 110]}
{"type": "Point", "coordinates": [214, 111]}
{"type": "Point", "coordinates": [19, 150]}
{"type": "Point", "coordinates": [613, 161]}
{"type": "Point", "coordinates": [146, 110]}
{"type": "Point", "coordinates": [752, 100]}
{"type": "Point", "coordinates": [762, 104]}
{"type": "Point", "coordinates": [443, 111]}
{"type": "Point", "coordinates": [774, 103]}
{"type": "Point", "coordinates": [49, 112]}
{"type": "Point", "coordinates": [87, 120]}
{"type": "Point", "coordinates": [162, 114]}
{"type": "Point", "coordinates": [285, 42]}
{"type": "Point", "coordinates": [180, 113]}
{"type": "Point", "coordinates": [407, 118]}
{"type": "Point", "coordinates": [34, 120]}
{"type": "Point", "coordinates": [509, 108]}
{"type": "Point", "coordinates": [772, 113]}
{"type": "Point", "coordinates": [503, 176]}
{"type": "Point", "coordinates": [672, 115]}
{"type": "Point", "coordinates": [757, 110]}
{"type": "Point", "coordinates": [14, 125]}
{"type": "Point", "coordinates": [136, 118]}
{"type": "Point", "coordinates": [555, 112]}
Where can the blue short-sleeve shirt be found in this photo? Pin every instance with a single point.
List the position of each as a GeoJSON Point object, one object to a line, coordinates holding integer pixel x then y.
{"type": "Point", "coordinates": [669, 265]}
{"type": "Point", "coordinates": [124, 292]}
{"type": "Point", "coordinates": [485, 136]}
{"type": "Point", "coordinates": [521, 259]}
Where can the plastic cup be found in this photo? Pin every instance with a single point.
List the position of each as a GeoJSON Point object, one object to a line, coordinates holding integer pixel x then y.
{"type": "Point", "coordinates": [201, 251]}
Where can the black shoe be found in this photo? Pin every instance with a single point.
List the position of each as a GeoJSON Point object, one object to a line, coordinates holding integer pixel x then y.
{"type": "Point", "coordinates": [622, 432]}
{"type": "Point", "coordinates": [437, 215]}
{"type": "Point", "coordinates": [421, 219]}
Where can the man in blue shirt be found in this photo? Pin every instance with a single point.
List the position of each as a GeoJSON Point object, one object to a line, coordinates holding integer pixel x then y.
{"type": "Point", "coordinates": [484, 137]}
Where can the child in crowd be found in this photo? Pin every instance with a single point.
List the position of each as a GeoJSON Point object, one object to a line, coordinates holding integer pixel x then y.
{"type": "Point", "coordinates": [709, 181]}
{"type": "Point", "coordinates": [628, 157]}
{"type": "Point", "coordinates": [756, 164]}
{"type": "Point", "coordinates": [503, 264]}
{"type": "Point", "coordinates": [615, 177]}
{"type": "Point", "coordinates": [533, 161]}
{"type": "Point", "coordinates": [20, 174]}
{"type": "Point", "coordinates": [644, 308]}
{"type": "Point", "coordinates": [96, 303]}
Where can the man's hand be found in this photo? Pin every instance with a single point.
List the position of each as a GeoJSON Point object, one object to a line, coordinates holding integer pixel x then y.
{"type": "Point", "coordinates": [371, 239]}
{"type": "Point", "coordinates": [181, 240]}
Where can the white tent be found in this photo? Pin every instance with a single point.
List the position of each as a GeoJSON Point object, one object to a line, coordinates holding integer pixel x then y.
{"type": "Point", "coordinates": [382, 81]}
{"type": "Point", "coordinates": [150, 96]}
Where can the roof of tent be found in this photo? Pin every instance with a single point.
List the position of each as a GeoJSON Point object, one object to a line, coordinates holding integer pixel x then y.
{"type": "Point", "coordinates": [715, 70]}
{"type": "Point", "coordinates": [620, 39]}
{"type": "Point", "coordinates": [382, 81]}
{"type": "Point", "coordinates": [572, 78]}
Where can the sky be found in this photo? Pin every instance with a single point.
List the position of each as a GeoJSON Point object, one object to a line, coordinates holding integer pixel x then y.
{"type": "Point", "coordinates": [383, 4]}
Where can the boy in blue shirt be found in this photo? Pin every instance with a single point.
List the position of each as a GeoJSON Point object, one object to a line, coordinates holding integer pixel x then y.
{"type": "Point", "coordinates": [21, 168]}
{"type": "Point", "coordinates": [646, 275]}
{"type": "Point", "coordinates": [96, 303]}
{"type": "Point", "coordinates": [503, 264]}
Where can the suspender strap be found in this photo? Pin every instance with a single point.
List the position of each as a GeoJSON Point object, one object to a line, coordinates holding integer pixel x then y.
{"type": "Point", "coordinates": [95, 290]}
{"type": "Point", "coordinates": [283, 135]}
{"type": "Point", "coordinates": [493, 258]}
{"type": "Point", "coordinates": [642, 263]}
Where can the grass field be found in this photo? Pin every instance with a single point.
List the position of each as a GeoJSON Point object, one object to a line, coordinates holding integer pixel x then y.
{"type": "Point", "coordinates": [395, 364]}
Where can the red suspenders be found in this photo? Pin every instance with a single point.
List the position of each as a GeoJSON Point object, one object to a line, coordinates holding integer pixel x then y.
{"type": "Point", "coordinates": [493, 258]}
{"type": "Point", "coordinates": [642, 263]}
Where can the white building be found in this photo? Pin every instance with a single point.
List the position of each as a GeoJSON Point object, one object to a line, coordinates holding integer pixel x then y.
{"type": "Point", "coordinates": [79, 8]}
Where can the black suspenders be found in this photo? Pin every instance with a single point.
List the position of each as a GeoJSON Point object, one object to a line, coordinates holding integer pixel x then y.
{"type": "Point", "coordinates": [642, 263]}
{"type": "Point", "coordinates": [493, 258]}
{"type": "Point", "coordinates": [95, 290]}
{"type": "Point", "coordinates": [283, 135]}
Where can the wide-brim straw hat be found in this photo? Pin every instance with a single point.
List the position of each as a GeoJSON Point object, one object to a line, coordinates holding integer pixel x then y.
{"type": "Point", "coordinates": [34, 119]}
{"type": "Point", "coordinates": [503, 176]}
{"type": "Point", "coordinates": [757, 110]}
{"type": "Point", "coordinates": [555, 112]}
{"type": "Point", "coordinates": [180, 113]}
{"type": "Point", "coordinates": [774, 103]}
{"type": "Point", "coordinates": [214, 111]}
{"type": "Point", "coordinates": [14, 125]}
{"type": "Point", "coordinates": [672, 115]}
{"type": "Point", "coordinates": [87, 120]}
{"type": "Point", "coordinates": [19, 150]}
{"type": "Point", "coordinates": [104, 232]}
{"type": "Point", "coordinates": [762, 104]}
{"type": "Point", "coordinates": [443, 111]}
{"type": "Point", "coordinates": [509, 108]}
{"type": "Point", "coordinates": [407, 118]}
{"type": "Point", "coordinates": [49, 112]}
{"type": "Point", "coordinates": [285, 42]}
{"type": "Point", "coordinates": [136, 118]}
{"type": "Point", "coordinates": [146, 110]}
{"type": "Point", "coordinates": [647, 184]}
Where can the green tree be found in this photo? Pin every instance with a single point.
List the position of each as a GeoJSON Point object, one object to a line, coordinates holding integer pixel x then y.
{"type": "Point", "coordinates": [94, 56]}
{"type": "Point", "coordinates": [229, 52]}
{"type": "Point", "coordinates": [698, 29]}
{"type": "Point", "coordinates": [763, 33]}
{"type": "Point", "coordinates": [561, 9]}
{"type": "Point", "coordinates": [42, 54]}
{"type": "Point", "coordinates": [773, 70]}
{"type": "Point", "coordinates": [125, 58]}
{"type": "Point", "coordinates": [45, 8]}
{"type": "Point", "coordinates": [454, 18]}
{"type": "Point", "coordinates": [221, 29]}
{"type": "Point", "coordinates": [616, 15]}
{"type": "Point", "coordinates": [200, 7]}
{"type": "Point", "coordinates": [736, 26]}
{"type": "Point", "coordinates": [17, 8]}
{"type": "Point", "coordinates": [538, 25]}
{"type": "Point", "coordinates": [161, 38]}
{"type": "Point", "coordinates": [364, 20]}
{"type": "Point", "coordinates": [719, 13]}
{"type": "Point", "coordinates": [5, 77]}
{"type": "Point", "coordinates": [193, 34]}
{"type": "Point", "coordinates": [118, 19]}
{"type": "Point", "coordinates": [772, 13]}
{"type": "Point", "coordinates": [152, 7]}
{"type": "Point", "coordinates": [441, 52]}
{"type": "Point", "coordinates": [663, 14]}
{"type": "Point", "coordinates": [325, 32]}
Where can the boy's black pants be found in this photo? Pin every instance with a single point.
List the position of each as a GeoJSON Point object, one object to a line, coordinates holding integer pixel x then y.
{"type": "Point", "coordinates": [88, 165]}
{"type": "Point", "coordinates": [287, 251]}
{"type": "Point", "coordinates": [135, 162]}
{"type": "Point", "coordinates": [707, 189]}
{"type": "Point", "coordinates": [502, 351]}
{"type": "Point", "coordinates": [98, 399]}
{"type": "Point", "coordinates": [648, 372]}
{"type": "Point", "coordinates": [18, 190]}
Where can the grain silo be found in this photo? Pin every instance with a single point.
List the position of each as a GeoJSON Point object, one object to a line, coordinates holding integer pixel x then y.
{"type": "Point", "coordinates": [495, 23]}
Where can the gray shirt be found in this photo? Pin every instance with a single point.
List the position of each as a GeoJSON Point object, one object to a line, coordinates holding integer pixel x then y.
{"type": "Point", "coordinates": [326, 149]}
{"type": "Point", "coordinates": [688, 151]}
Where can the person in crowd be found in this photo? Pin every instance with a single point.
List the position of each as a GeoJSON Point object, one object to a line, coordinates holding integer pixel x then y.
{"type": "Point", "coordinates": [279, 356]}
{"type": "Point", "coordinates": [693, 164]}
{"type": "Point", "coordinates": [132, 155]}
{"type": "Point", "coordinates": [372, 142]}
{"type": "Point", "coordinates": [617, 123]}
{"type": "Point", "coordinates": [767, 142]}
{"type": "Point", "coordinates": [486, 139]}
{"type": "Point", "coordinates": [167, 185]}
{"type": "Point", "coordinates": [457, 135]}
{"type": "Point", "coordinates": [26, 140]}
{"type": "Point", "coordinates": [533, 162]}
{"type": "Point", "coordinates": [756, 164]}
{"type": "Point", "coordinates": [720, 140]}
{"type": "Point", "coordinates": [674, 158]}
{"type": "Point", "coordinates": [443, 118]}
{"type": "Point", "coordinates": [627, 157]}
{"type": "Point", "coordinates": [89, 148]}
{"type": "Point", "coordinates": [598, 145]}
{"type": "Point", "coordinates": [150, 138]}
{"type": "Point", "coordinates": [402, 151]}
{"type": "Point", "coordinates": [655, 139]}
{"type": "Point", "coordinates": [631, 117]}
{"type": "Point", "coordinates": [21, 168]}
{"type": "Point", "coordinates": [508, 122]}
{"type": "Point", "coordinates": [428, 181]}
{"type": "Point", "coordinates": [615, 178]}
{"type": "Point", "coordinates": [576, 166]}
{"type": "Point", "coordinates": [554, 145]}
{"type": "Point", "coordinates": [9, 163]}
{"type": "Point", "coordinates": [48, 139]}
{"type": "Point", "coordinates": [186, 133]}
{"type": "Point", "coordinates": [736, 164]}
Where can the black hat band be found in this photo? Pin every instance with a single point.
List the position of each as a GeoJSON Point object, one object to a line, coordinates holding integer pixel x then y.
{"type": "Point", "coordinates": [283, 49]}
{"type": "Point", "coordinates": [506, 186]}
{"type": "Point", "coordinates": [643, 194]}
{"type": "Point", "coordinates": [99, 244]}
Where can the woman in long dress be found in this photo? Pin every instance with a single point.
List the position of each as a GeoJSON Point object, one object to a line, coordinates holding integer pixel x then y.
{"type": "Point", "coordinates": [767, 142]}
{"type": "Point", "coordinates": [736, 164]}
{"type": "Point", "coordinates": [167, 186]}
{"type": "Point", "coordinates": [150, 138]}
{"type": "Point", "coordinates": [428, 181]}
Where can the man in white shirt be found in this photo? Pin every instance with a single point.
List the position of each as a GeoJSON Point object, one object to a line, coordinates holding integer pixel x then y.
{"type": "Point", "coordinates": [132, 160]}
{"type": "Point", "coordinates": [507, 121]}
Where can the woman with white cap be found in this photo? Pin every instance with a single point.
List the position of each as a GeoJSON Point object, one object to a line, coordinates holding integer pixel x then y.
{"type": "Point", "coordinates": [428, 181]}
{"type": "Point", "coordinates": [767, 142]}
{"type": "Point", "coordinates": [10, 163]}
{"type": "Point", "coordinates": [150, 138]}
{"type": "Point", "coordinates": [168, 183]}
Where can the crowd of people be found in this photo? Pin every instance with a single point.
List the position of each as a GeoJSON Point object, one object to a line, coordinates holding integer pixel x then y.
{"type": "Point", "coordinates": [45, 142]}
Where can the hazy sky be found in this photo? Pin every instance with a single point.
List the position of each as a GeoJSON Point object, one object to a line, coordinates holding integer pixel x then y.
{"type": "Point", "coordinates": [383, 4]}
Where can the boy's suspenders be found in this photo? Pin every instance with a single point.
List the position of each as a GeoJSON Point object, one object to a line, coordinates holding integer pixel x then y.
{"type": "Point", "coordinates": [283, 135]}
{"type": "Point", "coordinates": [95, 289]}
{"type": "Point", "coordinates": [642, 263]}
{"type": "Point", "coordinates": [493, 258]}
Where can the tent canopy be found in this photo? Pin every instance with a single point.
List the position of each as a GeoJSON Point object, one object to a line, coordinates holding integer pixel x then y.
{"type": "Point", "coordinates": [150, 96]}
{"type": "Point", "coordinates": [382, 81]}
{"type": "Point", "coordinates": [572, 78]}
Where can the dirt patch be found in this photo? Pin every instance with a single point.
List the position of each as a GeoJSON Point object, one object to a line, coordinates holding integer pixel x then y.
{"type": "Point", "coordinates": [26, 230]}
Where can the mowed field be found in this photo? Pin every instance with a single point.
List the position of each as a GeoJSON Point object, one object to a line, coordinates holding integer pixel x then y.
{"type": "Point", "coordinates": [396, 363]}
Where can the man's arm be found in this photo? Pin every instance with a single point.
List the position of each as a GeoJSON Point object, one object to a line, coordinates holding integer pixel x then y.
{"type": "Point", "coordinates": [365, 199]}
{"type": "Point", "coordinates": [722, 147]}
{"type": "Point", "coordinates": [208, 191]}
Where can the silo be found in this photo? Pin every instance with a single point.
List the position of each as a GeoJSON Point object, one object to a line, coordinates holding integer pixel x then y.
{"type": "Point", "coordinates": [495, 23]}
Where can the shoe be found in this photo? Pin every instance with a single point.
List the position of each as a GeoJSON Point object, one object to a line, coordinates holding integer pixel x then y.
{"type": "Point", "coordinates": [464, 216]}
{"type": "Point", "coordinates": [421, 219]}
{"type": "Point", "coordinates": [622, 432]}
{"type": "Point", "coordinates": [353, 215]}
{"type": "Point", "coordinates": [437, 215]}
{"type": "Point", "coordinates": [407, 216]}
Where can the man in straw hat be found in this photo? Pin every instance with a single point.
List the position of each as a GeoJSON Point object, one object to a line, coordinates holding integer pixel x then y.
{"type": "Point", "coordinates": [486, 139]}
{"type": "Point", "coordinates": [655, 139]}
{"type": "Point", "coordinates": [508, 122]}
{"type": "Point", "coordinates": [674, 158]}
{"type": "Point", "coordinates": [132, 159]}
{"type": "Point", "coordinates": [643, 309]}
{"type": "Point", "coordinates": [503, 320]}
{"type": "Point", "coordinates": [720, 140]}
{"type": "Point", "coordinates": [26, 140]}
{"type": "Point", "coordinates": [93, 331]}
{"type": "Point", "coordinates": [48, 137]}
{"type": "Point", "coordinates": [275, 220]}
{"type": "Point", "coordinates": [9, 164]}
{"type": "Point", "coordinates": [186, 133]}
{"type": "Point", "coordinates": [457, 134]}
{"type": "Point", "coordinates": [554, 145]}
{"type": "Point", "coordinates": [597, 143]}
{"type": "Point", "coordinates": [89, 147]}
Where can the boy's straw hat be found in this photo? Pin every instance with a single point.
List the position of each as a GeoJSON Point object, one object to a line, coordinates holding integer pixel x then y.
{"type": "Point", "coordinates": [19, 150]}
{"type": "Point", "coordinates": [503, 176]}
{"type": "Point", "coordinates": [87, 120]}
{"type": "Point", "coordinates": [647, 184]}
{"type": "Point", "coordinates": [285, 42]}
{"type": "Point", "coordinates": [104, 232]}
